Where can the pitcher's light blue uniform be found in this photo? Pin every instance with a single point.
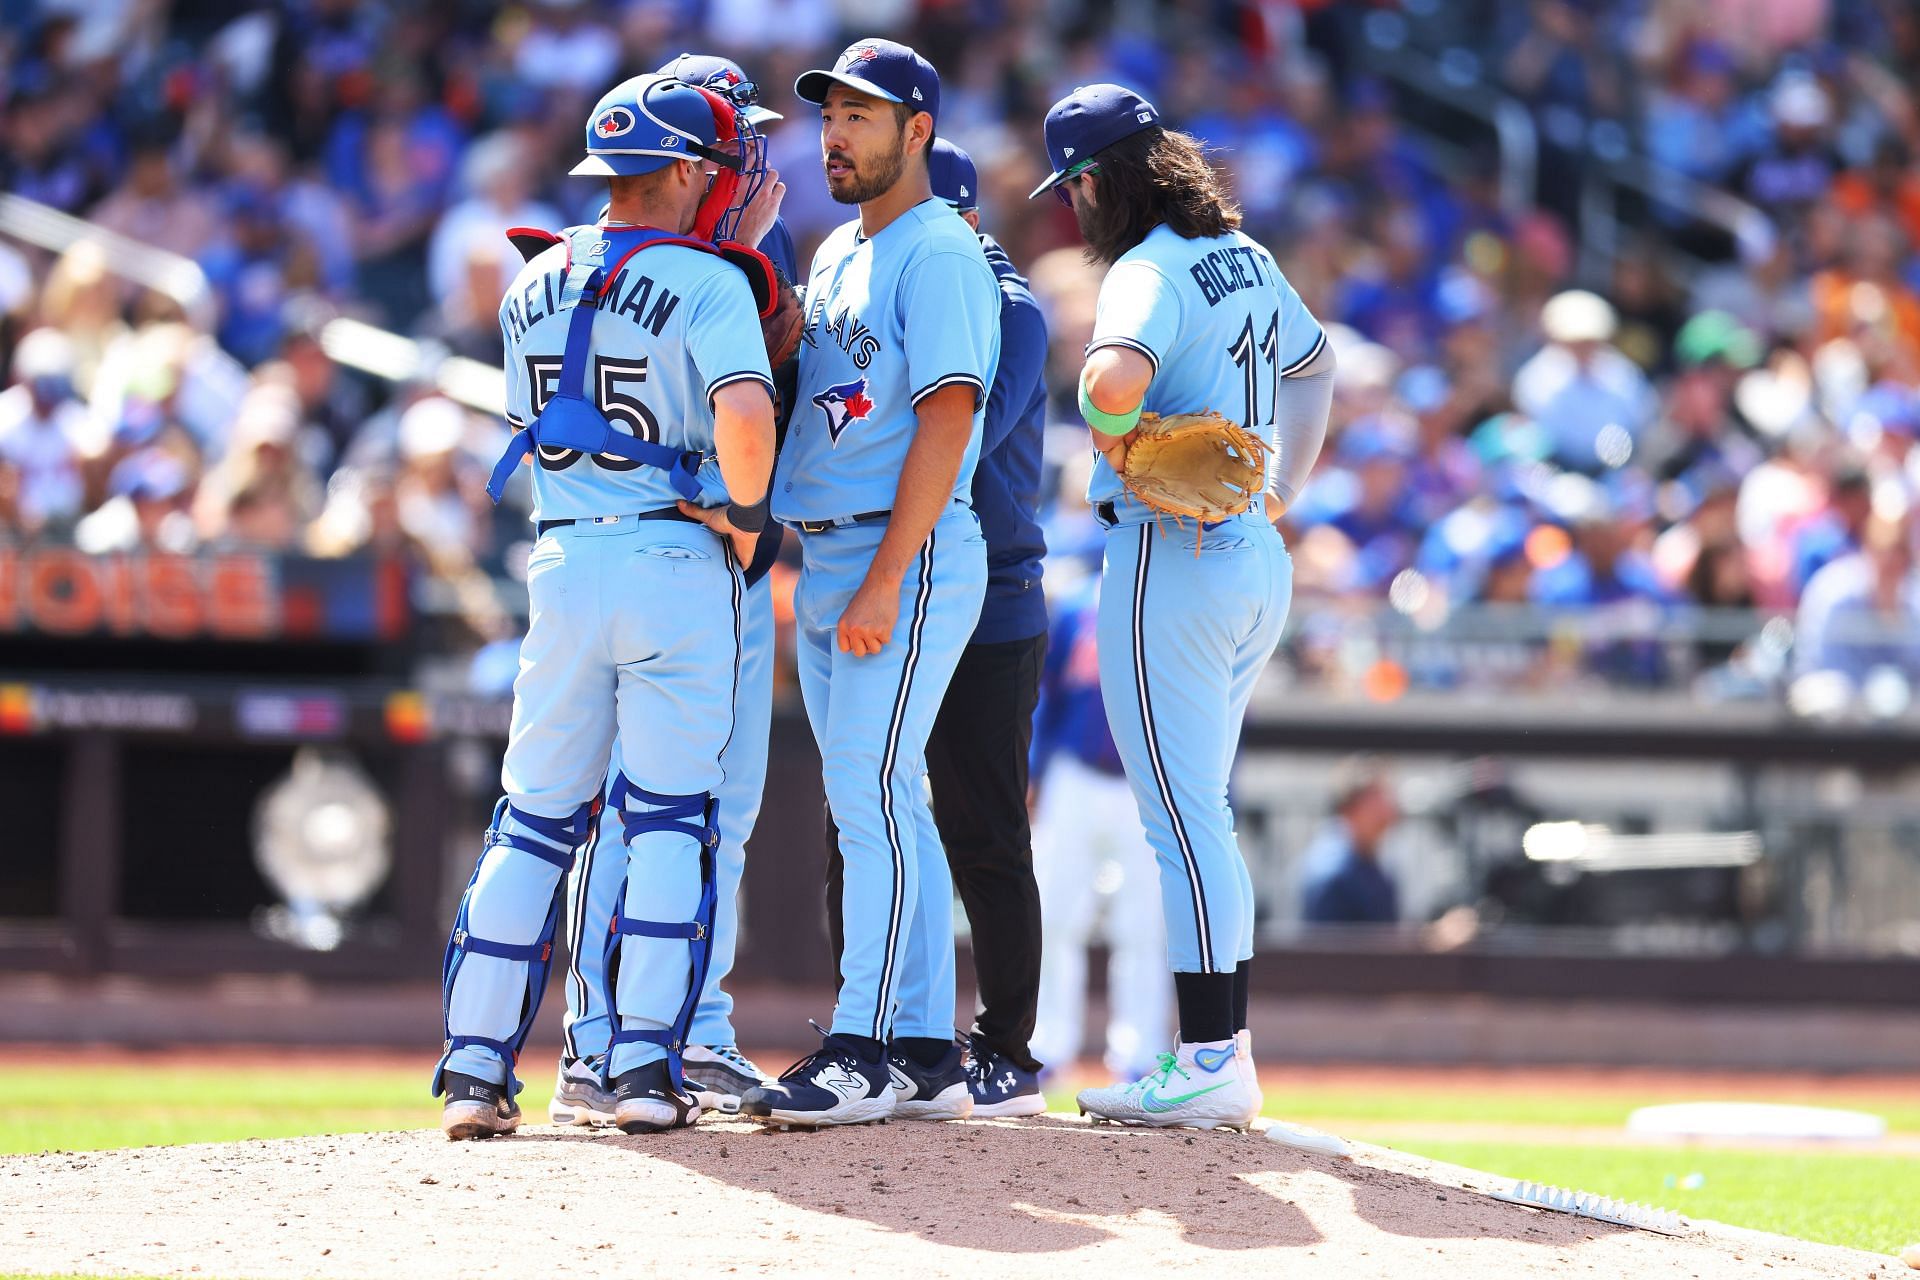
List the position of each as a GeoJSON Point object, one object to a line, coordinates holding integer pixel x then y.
{"type": "Point", "coordinates": [632, 648]}
{"type": "Point", "coordinates": [890, 320]}
{"type": "Point", "coordinates": [595, 879]}
{"type": "Point", "coordinates": [1183, 636]}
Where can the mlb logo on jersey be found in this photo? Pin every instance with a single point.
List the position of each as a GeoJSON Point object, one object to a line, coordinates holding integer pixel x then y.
{"type": "Point", "coordinates": [613, 122]}
{"type": "Point", "coordinates": [844, 403]}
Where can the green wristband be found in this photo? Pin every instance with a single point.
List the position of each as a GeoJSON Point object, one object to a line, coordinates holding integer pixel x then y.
{"type": "Point", "coordinates": [1107, 424]}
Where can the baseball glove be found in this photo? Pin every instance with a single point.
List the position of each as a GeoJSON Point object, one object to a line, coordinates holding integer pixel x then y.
{"type": "Point", "coordinates": [781, 328]}
{"type": "Point", "coordinates": [1195, 464]}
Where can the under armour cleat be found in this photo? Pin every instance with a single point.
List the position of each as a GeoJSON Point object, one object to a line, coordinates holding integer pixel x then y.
{"type": "Point", "coordinates": [476, 1108]}
{"type": "Point", "coordinates": [832, 1085]}
{"type": "Point", "coordinates": [1000, 1086]}
{"type": "Point", "coordinates": [645, 1101]}
{"type": "Point", "coordinates": [579, 1097]}
{"type": "Point", "coordinates": [1199, 1086]}
{"type": "Point", "coordinates": [938, 1092]}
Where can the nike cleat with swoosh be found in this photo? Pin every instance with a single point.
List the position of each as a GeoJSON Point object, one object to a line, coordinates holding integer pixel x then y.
{"type": "Point", "coordinates": [833, 1085]}
{"type": "Point", "coordinates": [1198, 1086]}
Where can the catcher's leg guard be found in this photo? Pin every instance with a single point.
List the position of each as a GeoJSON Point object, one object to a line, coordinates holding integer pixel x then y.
{"type": "Point", "coordinates": [696, 816]}
{"type": "Point", "coordinates": [547, 846]}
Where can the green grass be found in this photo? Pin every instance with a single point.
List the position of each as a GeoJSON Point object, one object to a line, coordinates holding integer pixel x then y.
{"type": "Point", "coordinates": [1863, 1201]}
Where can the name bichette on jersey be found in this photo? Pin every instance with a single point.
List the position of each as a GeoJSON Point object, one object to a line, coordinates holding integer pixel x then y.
{"type": "Point", "coordinates": [1219, 273]}
{"type": "Point", "coordinates": [633, 293]}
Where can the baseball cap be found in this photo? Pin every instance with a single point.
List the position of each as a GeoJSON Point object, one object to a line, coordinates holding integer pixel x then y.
{"type": "Point", "coordinates": [883, 68]}
{"type": "Point", "coordinates": [725, 77]}
{"type": "Point", "coordinates": [1088, 121]}
{"type": "Point", "coordinates": [644, 124]}
{"type": "Point", "coordinates": [152, 475]}
{"type": "Point", "coordinates": [1576, 315]}
{"type": "Point", "coordinates": [955, 180]}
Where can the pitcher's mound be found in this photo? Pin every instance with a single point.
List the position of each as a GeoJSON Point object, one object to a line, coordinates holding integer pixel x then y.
{"type": "Point", "coordinates": [1051, 1197]}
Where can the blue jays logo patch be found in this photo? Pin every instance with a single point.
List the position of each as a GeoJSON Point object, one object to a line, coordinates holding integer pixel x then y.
{"type": "Point", "coordinates": [844, 403]}
{"type": "Point", "coordinates": [613, 122]}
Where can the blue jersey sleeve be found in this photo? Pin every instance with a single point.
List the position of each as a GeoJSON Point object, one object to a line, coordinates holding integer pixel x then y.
{"type": "Point", "coordinates": [778, 246]}
{"type": "Point", "coordinates": [1139, 309]}
{"type": "Point", "coordinates": [721, 313]}
{"type": "Point", "coordinates": [1023, 358]}
{"type": "Point", "coordinates": [1301, 336]}
{"type": "Point", "coordinates": [949, 316]}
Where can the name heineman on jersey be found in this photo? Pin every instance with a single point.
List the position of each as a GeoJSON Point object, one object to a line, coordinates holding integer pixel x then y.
{"type": "Point", "coordinates": [650, 305]}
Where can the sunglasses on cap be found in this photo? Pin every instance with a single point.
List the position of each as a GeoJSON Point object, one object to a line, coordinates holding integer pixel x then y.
{"type": "Point", "coordinates": [742, 94]}
{"type": "Point", "coordinates": [1080, 170]}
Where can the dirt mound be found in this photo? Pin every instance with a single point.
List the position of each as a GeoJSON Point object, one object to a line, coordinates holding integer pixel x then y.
{"type": "Point", "coordinates": [1050, 1196]}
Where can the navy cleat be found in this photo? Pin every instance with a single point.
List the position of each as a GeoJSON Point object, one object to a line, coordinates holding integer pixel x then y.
{"type": "Point", "coordinates": [645, 1101]}
{"type": "Point", "coordinates": [1000, 1086]}
{"type": "Point", "coordinates": [834, 1084]}
{"type": "Point", "coordinates": [939, 1092]}
{"type": "Point", "coordinates": [476, 1108]}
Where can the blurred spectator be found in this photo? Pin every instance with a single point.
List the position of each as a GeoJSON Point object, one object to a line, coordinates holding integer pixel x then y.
{"type": "Point", "coordinates": [1693, 122]}
{"type": "Point", "coordinates": [1889, 187]}
{"type": "Point", "coordinates": [150, 510]}
{"type": "Point", "coordinates": [41, 426]}
{"type": "Point", "coordinates": [1594, 403]}
{"type": "Point", "coordinates": [441, 497]}
{"type": "Point", "coordinates": [1344, 882]}
{"type": "Point", "coordinates": [1862, 612]}
{"type": "Point", "coordinates": [499, 177]}
{"type": "Point", "coordinates": [1795, 169]}
{"type": "Point", "coordinates": [262, 493]}
{"type": "Point", "coordinates": [152, 206]}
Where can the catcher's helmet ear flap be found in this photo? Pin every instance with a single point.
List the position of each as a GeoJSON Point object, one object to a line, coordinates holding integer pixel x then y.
{"type": "Point", "coordinates": [742, 168]}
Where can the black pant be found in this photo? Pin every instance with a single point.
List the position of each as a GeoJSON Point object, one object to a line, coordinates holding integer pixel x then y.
{"type": "Point", "coordinates": [977, 764]}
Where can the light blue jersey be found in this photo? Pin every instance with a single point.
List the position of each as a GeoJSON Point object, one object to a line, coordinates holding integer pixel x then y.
{"type": "Point", "coordinates": [1221, 326]}
{"type": "Point", "coordinates": [890, 320]}
{"type": "Point", "coordinates": [669, 333]}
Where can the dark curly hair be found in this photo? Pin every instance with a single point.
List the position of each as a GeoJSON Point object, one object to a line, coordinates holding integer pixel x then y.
{"type": "Point", "coordinates": [1147, 178]}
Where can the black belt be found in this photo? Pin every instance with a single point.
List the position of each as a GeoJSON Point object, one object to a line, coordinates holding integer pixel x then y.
{"type": "Point", "coordinates": [839, 522]}
{"type": "Point", "coordinates": [664, 513]}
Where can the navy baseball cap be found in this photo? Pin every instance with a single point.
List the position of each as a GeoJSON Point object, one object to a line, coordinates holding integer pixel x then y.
{"type": "Point", "coordinates": [882, 68]}
{"type": "Point", "coordinates": [1088, 121]}
{"type": "Point", "coordinates": [725, 77]}
{"type": "Point", "coordinates": [955, 180]}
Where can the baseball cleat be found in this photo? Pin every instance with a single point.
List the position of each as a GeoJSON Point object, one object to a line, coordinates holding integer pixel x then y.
{"type": "Point", "coordinates": [720, 1069]}
{"type": "Point", "coordinates": [476, 1108]}
{"type": "Point", "coordinates": [645, 1101]}
{"type": "Point", "coordinates": [1000, 1086]}
{"type": "Point", "coordinates": [579, 1097]}
{"type": "Point", "coordinates": [832, 1085]}
{"type": "Point", "coordinates": [1199, 1086]}
{"type": "Point", "coordinates": [939, 1092]}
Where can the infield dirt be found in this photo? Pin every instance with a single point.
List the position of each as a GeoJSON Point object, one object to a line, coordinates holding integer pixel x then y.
{"type": "Point", "coordinates": [1051, 1196]}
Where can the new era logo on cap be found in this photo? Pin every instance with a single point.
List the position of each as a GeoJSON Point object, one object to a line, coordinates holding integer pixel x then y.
{"type": "Point", "coordinates": [1069, 152]}
{"type": "Point", "coordinates": [916, 94]}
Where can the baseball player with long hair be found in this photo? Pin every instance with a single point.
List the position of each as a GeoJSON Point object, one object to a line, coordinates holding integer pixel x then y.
{"type": "Point", "coordinates": [712, 1059]}
{"type": "Point", "coordinates": [638, 404]}
{"type": "Point", "coordinates": [1192, 315]}
{"type": "Point", "coordinates": [901, 343]}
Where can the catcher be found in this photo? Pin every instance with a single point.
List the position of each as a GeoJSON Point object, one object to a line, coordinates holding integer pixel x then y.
{"type": "Point", "coordinates": [1192, 314]}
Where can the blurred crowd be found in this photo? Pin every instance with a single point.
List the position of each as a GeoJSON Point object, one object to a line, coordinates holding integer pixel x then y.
{"type": "Point", "coordinates": [1711, 422]}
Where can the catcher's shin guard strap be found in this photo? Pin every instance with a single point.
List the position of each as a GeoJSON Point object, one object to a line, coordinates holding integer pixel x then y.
{"type": "Point", "coordinates": [669, 812]}
{"type": "Point", "coordinates": [1107, 424]}
{"type": "Point", "coordinates": [559, 837]}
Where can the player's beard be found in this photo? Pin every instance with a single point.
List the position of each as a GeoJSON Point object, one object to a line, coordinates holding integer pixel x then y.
{"type": "Point", "coordinates": [873, 179]}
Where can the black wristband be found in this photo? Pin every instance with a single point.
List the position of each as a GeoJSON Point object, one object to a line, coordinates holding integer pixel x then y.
{"type": "Point", "coordinates": [748, 519]}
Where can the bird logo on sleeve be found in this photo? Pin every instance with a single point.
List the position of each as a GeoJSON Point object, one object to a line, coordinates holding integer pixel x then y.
{"type": "Point", "coordinates": [844, 403]}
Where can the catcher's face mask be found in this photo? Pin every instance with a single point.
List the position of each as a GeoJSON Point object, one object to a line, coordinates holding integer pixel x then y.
{"type": "Point", "coordinates": [739, 160]}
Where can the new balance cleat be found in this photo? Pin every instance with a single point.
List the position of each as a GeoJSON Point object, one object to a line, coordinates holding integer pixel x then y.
{"type": "Point", "coordinates": [476, 1108]}
{"type": "Point", "coordinates": [579, 1097]}
{"type": "Point", "coordinates": [1199, 1086]}
{"type": "Point", "coordinates": [720, 1069]}
{"type": "Point", "coordinates": [939, 1092]}
{"type": "Point", "coordinates": [645, 1101]}
{"type": "Point", "coordinates": [999, 1085]}
{"type": "Point", "coordinates": [832, 1085]}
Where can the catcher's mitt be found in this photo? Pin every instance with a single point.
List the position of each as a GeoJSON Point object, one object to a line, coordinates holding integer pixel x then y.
{"type": "Point", "coordinates": [1195, 464]}
{"type": "Point", "coordinates": [782, 327]}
